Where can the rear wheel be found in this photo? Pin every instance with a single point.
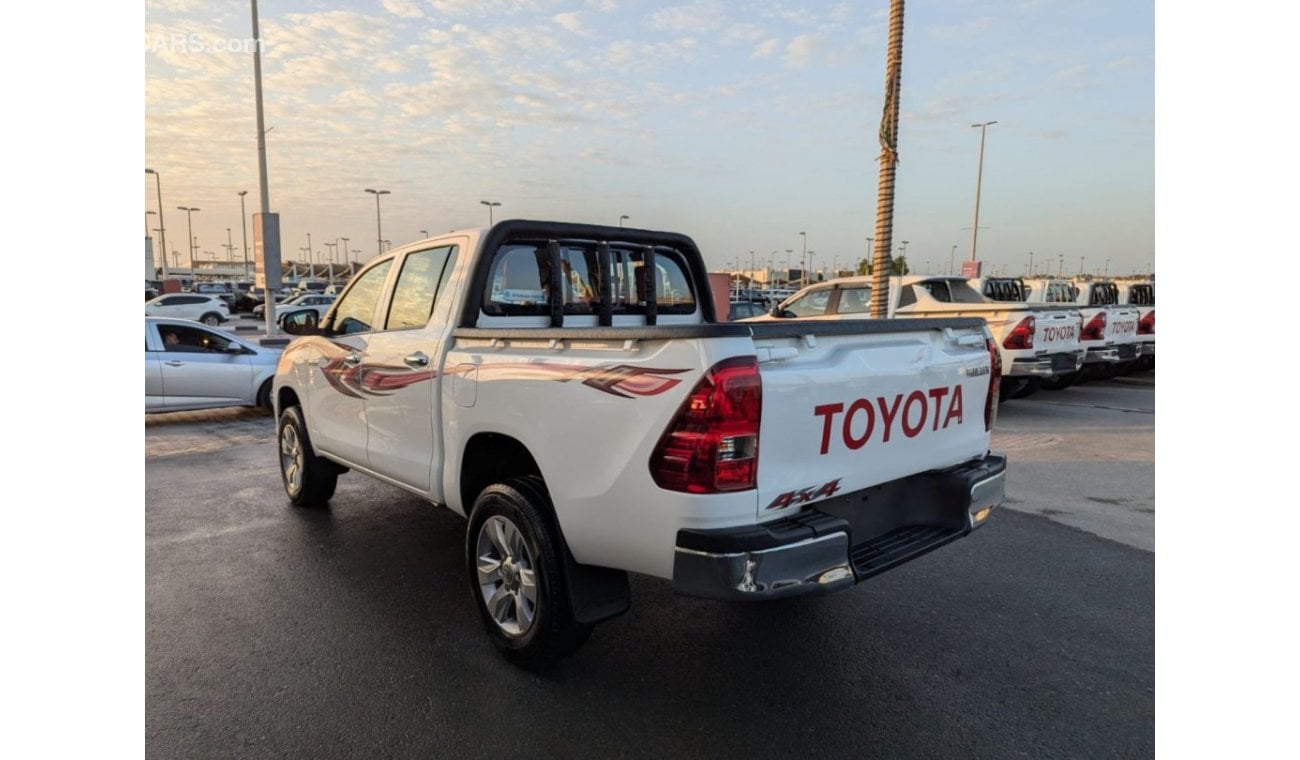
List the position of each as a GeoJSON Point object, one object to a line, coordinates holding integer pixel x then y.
{"type": "Point", "coordinates": [1028, 389]}
{"type": "Point", "coordinates": [211, 319]}
{"type": "Point", "coordinates": [264, 396]}
{"type": "Point", "coordinates": [309, 480]}
{"type": "Point", "coordinates": [514, 555]}
{"type": "Point", "coordinates": [1058, 382]}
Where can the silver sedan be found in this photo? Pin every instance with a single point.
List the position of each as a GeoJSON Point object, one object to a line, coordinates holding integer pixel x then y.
{"type": "Point", "coordinates": [190, 366]}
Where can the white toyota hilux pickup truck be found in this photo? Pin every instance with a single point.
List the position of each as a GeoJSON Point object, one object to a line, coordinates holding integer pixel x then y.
{"type": "Point", "coordinates": [1109, 328]}
{"type": "Point", "coordinates": [570, 391]}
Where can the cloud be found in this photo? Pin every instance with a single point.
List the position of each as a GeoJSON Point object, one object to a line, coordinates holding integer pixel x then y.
{"type": "Point", "coordinates": [766, 48]}
{"type": "Point", "coordinates": [569, 21]}
{"type": "Point", "coordinates": [963, 32]}
{"type": "Point", "coordinates": [691, 19]}
{"type": "Point", "coordinates": [403, 8]}
{"type": "Point", "coordinates": [799, 53]}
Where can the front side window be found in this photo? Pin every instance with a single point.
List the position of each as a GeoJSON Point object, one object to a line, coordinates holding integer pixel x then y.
{"type": "Point", "coordinates": [356, 312]}
{"type": "Point", "coordinates": [192, 340]}
{"type": "Point", "coordinates": [417, 288]}
{"type": "Point", "coordinates": [810, 304]}
{"type": "Point", "coordinates": [938, 291]}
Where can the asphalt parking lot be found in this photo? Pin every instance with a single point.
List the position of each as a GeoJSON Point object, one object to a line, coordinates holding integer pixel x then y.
{"type": "Point", "coordinates": [351, 631]}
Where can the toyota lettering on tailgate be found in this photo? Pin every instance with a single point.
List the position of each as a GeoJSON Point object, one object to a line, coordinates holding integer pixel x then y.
{"type": "Point", "coordinates": [865, 417]}
{"type": "Point", "coordinates": [1126, 327]}
{"type": "Point", "coordinates": [1063, 332]}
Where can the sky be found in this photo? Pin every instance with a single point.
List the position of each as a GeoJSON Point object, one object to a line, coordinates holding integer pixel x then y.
{"type": "Point", "coordinates": [738, 124]}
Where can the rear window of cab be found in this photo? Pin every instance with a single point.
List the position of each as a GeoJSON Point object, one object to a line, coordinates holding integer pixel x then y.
{"type": "Point", "coordinates": [519, 282]}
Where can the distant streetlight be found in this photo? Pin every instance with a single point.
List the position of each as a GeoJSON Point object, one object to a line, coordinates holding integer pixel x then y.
{"type": "Point", "coordinates": [979, 179]}
{"type": "Point", "coordinates": [189, 224]}
{"type": "Point", "coordinates": [1031, 263]}
{"type": "Point", "coordinates": [803, 257]}
{"type": "Point", "coordinates": [952, 260]}
{"type": "Point", "coordinates": [621, 218]}
{"type": "Point", "coordinates": [1106, 270]}
{"type": "Point", "coordinates": [162, 228]}
{"type": "Point", "coordinates": [243, 221]}
{"type": "Point", "coordinates": [379, 225]}
{"type": "Point", "coordinates": [387, 245]}
{"type": "Point", "coordinates": [1081, 258]}
{"type": "Point", "coordinates": [230, 248]}
{"type": "Point", "coordinates": [345, 250]}
{"type": "Point", "coordinates": [489, 204]}
{"type": "Point", "coordinates": [811, 255]}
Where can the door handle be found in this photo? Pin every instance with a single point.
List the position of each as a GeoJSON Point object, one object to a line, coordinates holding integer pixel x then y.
{"type": "Point", "coordinates": [174, 363]}
{"type": "Point", "coordinates": [417, 359]}
{"type": "Point", "coordinates": [352, 359]}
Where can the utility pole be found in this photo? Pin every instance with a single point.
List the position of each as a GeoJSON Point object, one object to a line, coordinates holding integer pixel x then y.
{"type": "Point", "coordinates": [979, 180]}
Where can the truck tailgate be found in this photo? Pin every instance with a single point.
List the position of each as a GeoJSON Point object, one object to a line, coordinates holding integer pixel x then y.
{"type": "Point", "coordinates": [1057, 329]}
{"type": "Point", "coordinates": [853, 404]}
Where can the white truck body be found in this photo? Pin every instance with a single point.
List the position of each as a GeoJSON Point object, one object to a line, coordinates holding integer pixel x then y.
{"type": "Point", "coordinates": [1033, 341]}
{"type": "Point", "coordinates": [734, 459]}
{"type": "Point", "coordinates": [1110, 328]}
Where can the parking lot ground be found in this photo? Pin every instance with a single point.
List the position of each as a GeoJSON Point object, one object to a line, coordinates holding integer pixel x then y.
{"type": "Point", "coordinates": [350, 632]}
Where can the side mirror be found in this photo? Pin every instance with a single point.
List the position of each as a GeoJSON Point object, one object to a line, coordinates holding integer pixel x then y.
{"type": "Point", "coordinates": [780, 313]}
{"type": "Point", "coordinates": [304, 322]}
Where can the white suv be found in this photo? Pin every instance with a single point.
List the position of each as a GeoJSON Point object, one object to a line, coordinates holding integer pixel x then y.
{"type": "Point", "coordinates": [210, 310]}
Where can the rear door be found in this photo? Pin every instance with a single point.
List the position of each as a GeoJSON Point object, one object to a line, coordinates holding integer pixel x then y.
{"type": "Point", "coordinates": [1056, 331]}
{"type": "Point", "coordinates": [842, 412]}
{"type": "Point", "coordinates": [401, 368]}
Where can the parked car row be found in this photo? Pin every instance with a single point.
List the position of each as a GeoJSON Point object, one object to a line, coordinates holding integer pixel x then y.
{"type": "Point", "coordinates": [1050, 334]}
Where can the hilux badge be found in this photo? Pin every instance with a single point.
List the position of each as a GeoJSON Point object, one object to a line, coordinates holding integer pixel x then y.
{"type": "Point", "coordinates": [982, 369]}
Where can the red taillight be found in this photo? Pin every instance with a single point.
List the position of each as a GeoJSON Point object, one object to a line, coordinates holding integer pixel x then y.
{"type": "Point", "coordinates": [1147, 325]}
{"type": "Point", "coordinates": [1022, 336]}
{"type": "Point", "coordinates": [1095, 329]}
{"type": "Point", "coordinates": [995, 385]}
{"type": "Point", "coordinates": [712, 443]}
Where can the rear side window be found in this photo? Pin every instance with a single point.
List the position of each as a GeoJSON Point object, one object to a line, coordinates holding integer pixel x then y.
{"type": "Point", "coordinates": [520, 281]}
{"type": "Point", "coordinates": [417, 288]}
{"type": "Point", "coordinates": [938, 290]}
{"type": "Point", "coordinates": [855, 301]}
{"type": "Point", "coordinates": [1103, 294]}
{"type": "Point", "coordinates": [812, 304]}
{"type": "Point", "coordinates": [1142, 295]}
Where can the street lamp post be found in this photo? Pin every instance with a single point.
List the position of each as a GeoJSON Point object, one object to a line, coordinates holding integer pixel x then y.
{"type": "Point", "coordinates": [621, 218]}
{"type": "Point", "coordinates": [345, 254]}
{"type": "Point", "coordinates": [803, 258]}
{"type": "Point", "coordinates": [1031, 263]}
{"type": "Point", "coordinates": [979, 179]}
{"type": "Point", "coordinates": [230, 248]}
{"type": "Point", "coordinates": [1106, 269]}
{"type": "Point", "coordinates": [811, 255]}
{"type": "Point", "coordinates": [424, 233]}
{"type": "Point", "coordinates": [243, 221]}
{"type": "Point", "coordinates": [379, 225]}
{"type": "Point", "coordinates": [1081, 258]}
{"type": "Point", "coordinates": [189, 225]}
{"type": "Point", "coordinates": [489, 204]}
{"type": "Point", "coordinates": [952, 260]}
{"type": "Point", "coordinates": [162, 228]}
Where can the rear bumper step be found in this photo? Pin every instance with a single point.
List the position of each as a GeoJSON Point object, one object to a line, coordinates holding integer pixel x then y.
{"type": "Point", "coordinates": [843, 540]}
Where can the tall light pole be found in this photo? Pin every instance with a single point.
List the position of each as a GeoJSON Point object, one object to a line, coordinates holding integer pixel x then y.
{"type": "Point", "coordinates": [162, 228]}
{"type": "Point", "coordinates": [621, 218]}
{"type": "Point", "coordinates": [243, 221]}
{"type": "Point", "coordinates": [345, 253]}
{"type": "Point", "coordinates": [379, 225]}
{"type": "Point", "coordinates": [230, 248]}
{"type": "Point", "coordinates": [803, 258]}
{"type": "Point", "coordinates": [311, 259]}
{"type": "Point", "coordinates": [424, 233]}
{"type": "Point", "coordinates": [1031, 263]}
{"type": "Point", "coordinates": [979, 179]}
{"type": "Point", "coordinates": [489, 204]}
{"type": "Point", "coordinates": [189, 225]}
{"type": "Point", "coordinates": [870, 241]}
{"type": "Point", "coordinates": [1060, 264]}
{"type": "Point", "coordinates": [1106, 270]}
{"type": "Point", "coordinates": [1081, 258]}
{"type": "Point", "coordinates": [811, 254]}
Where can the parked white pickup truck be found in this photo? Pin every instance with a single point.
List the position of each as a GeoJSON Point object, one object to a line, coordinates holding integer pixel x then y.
{"type": "Point", "coordinates": [569, 389]}
{"type": "Point", "coordinates": [1142, 294]}
{"type": "Point", "coordinates": [1034, 342]}
{"type": "Point", "coordinates": [1109, 330]}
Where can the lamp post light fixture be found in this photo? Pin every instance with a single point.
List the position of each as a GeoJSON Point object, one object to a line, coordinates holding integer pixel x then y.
{"type": "Point", "coordinates": [379, 225]}
{"type": "Point", "coordinates": [1031, 263]}
{"type": "Point", "coordinates": [345, 252]}
{"type": "Point", "coordinates": [189, 224]}
{"type": "Point", "coordinates": [243, 221]}
{"type": "Point", "coordinates": [230, 248]}
{"type": "Point", "coordinates": [490, 204]}
{"type": "Point", "coordinates": [979, 180]}
{"type": "Point", "coordinates": [162, 228]}
{"type": "Point", "coordinates": [621, 218]}
{"type": "Point", "coordinates": [424, 233]}
{"type": "Point", "coordinates": [803, 257]}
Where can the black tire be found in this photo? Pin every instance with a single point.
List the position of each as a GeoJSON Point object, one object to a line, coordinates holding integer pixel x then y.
{"type": "Point", "coordinates": [264, 396]}
{"type": "Point", "coordinates": [528, 546]}
{"type": "Point", "coordinates": [211, 319]}
{"type": "Point", "coordinates": [1028, 389]}
{"type": "Point", "coordinates": [1009, 387]}
{"type": "Point", "coordinates": [309, 480]}
{"type": "Point", "coordinates": [1058, 382]}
